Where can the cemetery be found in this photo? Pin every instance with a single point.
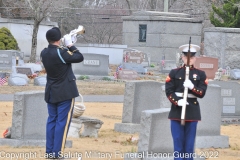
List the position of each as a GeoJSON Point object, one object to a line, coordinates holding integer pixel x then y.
{"type": "Point", "coordinates": [138, 126]}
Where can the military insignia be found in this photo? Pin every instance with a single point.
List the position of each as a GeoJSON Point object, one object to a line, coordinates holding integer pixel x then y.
{"type": "Point", "coordinates": [69, 52]}
{"type": "Point", "coordinates": [206, 81]}
{"type": "Point", "coordinates": [168, 79]}
{"type": "Point", "coordinates": [194, 76]}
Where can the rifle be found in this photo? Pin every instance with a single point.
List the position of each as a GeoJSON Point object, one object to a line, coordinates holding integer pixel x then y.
{"type": "Point", "coordinates": [186, 88]}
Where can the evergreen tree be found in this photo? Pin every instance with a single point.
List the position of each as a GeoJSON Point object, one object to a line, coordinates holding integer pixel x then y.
{"type": "Point", "coordinates": [7, 41]}
{"type": "Point", "coordinates": [227, 16]}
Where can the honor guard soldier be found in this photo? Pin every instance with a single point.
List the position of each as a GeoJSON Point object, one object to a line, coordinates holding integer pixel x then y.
{"type": "Point", "coordinates": [61, 89]}
{"type": "Point", "coordinates": [184, 135]}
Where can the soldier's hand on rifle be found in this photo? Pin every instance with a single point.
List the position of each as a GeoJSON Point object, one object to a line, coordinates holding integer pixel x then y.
{"type": "Point", "coordinates": [181, 102]}
{"type": "Point", "coordinates": [68, 40]}
{"type": "Point", "coordinates": [188, 84]}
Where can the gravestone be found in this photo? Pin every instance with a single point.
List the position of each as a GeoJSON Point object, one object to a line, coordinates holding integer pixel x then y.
{"type": "Point", "coordinates": [22, 70]}
{"type": "Point", "coordinates": [35, 67]}
{"type": "Point", "coordinates": [93, 64]}
{"type": "Point", "coordinates": [167, 66]}
{"type": "Point", "coordinates": [165, 103]}
{"type": "Point", "coordinates": [209, 128]}
{"type": "Point", "coordinates": [235, 74]}
{"type": "Point", "coordinates": [230, 101]}
{"type": "Point", "coordinates": [28, 120]}
{"type": "Point", "coordinates": [207, 64]}
{"type": "Point", "coordinates": [8, 59]}
{"type": "Point", "coordinates": [126, 74]}
{"type": "Point", "coordinates": [135, 56]}
{"type": "Point", "coordinates": [18, 80]}
{"type": "Point", "coordinates": [138, 96]}
{"type": "Point", "coordinates": [135, 66]}
{"type": "Point", "coordinates": [5, 60]}
{"type": "Point", "coordinates": [155, 140]}
{"type": "Point", "coordinates": [40, 81]}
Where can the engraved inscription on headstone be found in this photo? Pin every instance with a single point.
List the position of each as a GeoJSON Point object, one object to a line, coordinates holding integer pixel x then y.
{"type": "Point", "coordinates": [206, 65]}
{"type": "Point", "coordinates": [228, 109]}
{"type": "Point", "coordinates": [5, 60]}
{"type": "Point", "coordinates": [228, 101]}
{"type": "Point", "coordinates": [91, 62]}
{"type": "Point", "coordinates": [24, 70]}
{"type": "Point", "coordinates": [226, 92]}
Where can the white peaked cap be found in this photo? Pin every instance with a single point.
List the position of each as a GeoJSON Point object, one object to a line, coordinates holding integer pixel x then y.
{"type": "Point", "coordinates": [193, 48]}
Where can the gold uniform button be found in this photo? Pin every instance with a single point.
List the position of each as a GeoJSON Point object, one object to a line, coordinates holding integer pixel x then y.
{"type": "Point", "coordinates": [195, 102]}
{"type": "Point", "coordinates": [180, 78]}
{"type": "Point", "coordinates": [173, 99]}
{"type": "Point", "coordinates": [194, 79]}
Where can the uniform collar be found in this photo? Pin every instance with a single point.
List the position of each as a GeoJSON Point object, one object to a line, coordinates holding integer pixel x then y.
{"type": "Point", "coordinates": [52, 46]}
{"type": "Point", "coordinates": [191, 66]}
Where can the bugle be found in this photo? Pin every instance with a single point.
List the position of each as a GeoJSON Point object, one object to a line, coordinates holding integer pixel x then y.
{"type": "Point", "coordinates": [74, 33]}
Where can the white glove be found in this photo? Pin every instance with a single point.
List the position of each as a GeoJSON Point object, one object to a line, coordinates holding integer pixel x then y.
{"type": "Point", "coordinates": [188, 84]}
{"type": "Point", "coordinates": [67, 40]}
{"type": "Point", "coordinates": [181, 102]}
{"type": "Point", "coordinates": [74, 38]}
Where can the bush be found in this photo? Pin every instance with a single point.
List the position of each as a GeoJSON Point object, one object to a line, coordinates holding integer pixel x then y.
{"type": "Point", "coordinates": [152, 65]}
{"type": "Point", "coordinates": [7, 41]}
{"type": "Point", "coordinates": [83, 77]}
{"type": "Point", "coordinates": [106, 79]}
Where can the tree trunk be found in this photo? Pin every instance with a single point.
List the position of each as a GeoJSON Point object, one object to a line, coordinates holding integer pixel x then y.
{"type": "Point", "coordinates": [34, 42]}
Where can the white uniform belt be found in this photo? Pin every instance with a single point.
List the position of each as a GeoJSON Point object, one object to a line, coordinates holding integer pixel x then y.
{"type": "Point", "coordinates": [179, 94]}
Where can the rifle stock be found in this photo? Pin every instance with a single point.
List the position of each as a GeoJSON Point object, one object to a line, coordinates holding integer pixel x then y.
{"type": "Point", "coordinates": [183, 114]}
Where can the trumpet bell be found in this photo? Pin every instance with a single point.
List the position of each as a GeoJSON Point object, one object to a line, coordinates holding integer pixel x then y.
{"type": "Point", "coordinates": [80, 30]}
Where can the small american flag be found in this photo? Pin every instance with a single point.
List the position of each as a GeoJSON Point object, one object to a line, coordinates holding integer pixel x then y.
{"type": "Point", "coordinates": [117, 71]}
{"type": "Point", "coordinates": [163, 61]}
{"type": "Point", "coordinates": [3, 78]}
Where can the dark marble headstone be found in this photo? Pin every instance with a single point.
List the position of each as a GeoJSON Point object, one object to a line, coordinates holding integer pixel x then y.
{"type": "Point", "coordinates": [23, 70]}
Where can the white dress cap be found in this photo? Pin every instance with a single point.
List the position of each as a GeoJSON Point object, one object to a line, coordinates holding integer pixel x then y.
{"type": "Point", "coordinates": [193, 48]}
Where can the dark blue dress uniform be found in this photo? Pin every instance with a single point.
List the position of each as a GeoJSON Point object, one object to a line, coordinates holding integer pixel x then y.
{"type": "Point", "coordinates": [60, 92]}
{"type": "Point", "coordinates": [184, 136]}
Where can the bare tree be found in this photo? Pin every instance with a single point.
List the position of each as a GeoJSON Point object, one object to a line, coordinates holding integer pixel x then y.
{"type": "Point", "coordinates": [36, 10]}
{"type": "Point", "coordinates": [101, 19]}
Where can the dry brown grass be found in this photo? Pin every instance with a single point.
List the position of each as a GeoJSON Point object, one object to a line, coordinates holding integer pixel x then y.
{"type": "Point", "coordinates": [84, 87]}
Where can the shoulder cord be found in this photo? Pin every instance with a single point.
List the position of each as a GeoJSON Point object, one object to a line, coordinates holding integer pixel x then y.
{"type": "Point", "coordinates": [60, 56]}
